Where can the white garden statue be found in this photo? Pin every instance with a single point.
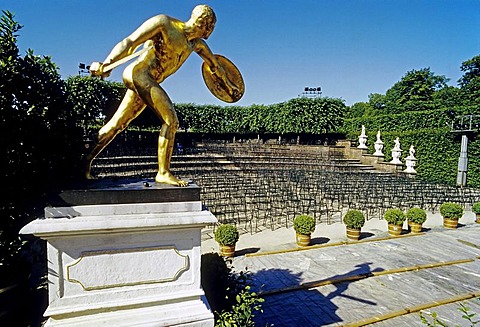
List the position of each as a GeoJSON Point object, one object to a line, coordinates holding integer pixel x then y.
{"type": "Point", "coordinates": [362, 139]}
{"type": "Point", "coordinates": [378, 146]}
{"type": "Point", "coordinates": [396, 152]}
{"type": "Point", "coordinates": [411, 161]}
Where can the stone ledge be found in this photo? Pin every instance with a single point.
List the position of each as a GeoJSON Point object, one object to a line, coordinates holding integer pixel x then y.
{"type": "Point", "coordinates": [125, 191]}
{"type": "Point", "coordinates": [122, 209]}
{"type": "Point", "coordinates": [82, 225]}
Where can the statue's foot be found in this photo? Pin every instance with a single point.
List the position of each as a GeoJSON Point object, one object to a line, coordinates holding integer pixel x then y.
{"type": "Point", "coordinates": [87, 168]}
{"type": "Point", "coordinates": [89, 176]}
{"type": "Point", "coordinates": [168, 178]}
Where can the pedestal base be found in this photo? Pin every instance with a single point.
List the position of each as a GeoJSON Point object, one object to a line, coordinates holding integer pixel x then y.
{"type": "Point", "coordinates": [126, 264]}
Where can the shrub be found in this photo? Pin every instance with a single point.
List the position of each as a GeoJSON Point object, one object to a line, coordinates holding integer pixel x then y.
{"type": "Point", "coordinates": [394, 216]}
{"type": "Point", "coordinates": [354, 219]}
{"type": "Point", "coordinates": [304, 224]}
{"type": "Point", "coordinates": [416, 215]}
{"type": "Point", "coordinates": [242, 312]}
{"type": "Point", "coordinates": [476, 207]}
{"type": "Point", "coordinates": [226, 234]}
{"type": "Point", "coordinates": [451, 210]}
{"type": "Point", "coordinates": [229, 293]}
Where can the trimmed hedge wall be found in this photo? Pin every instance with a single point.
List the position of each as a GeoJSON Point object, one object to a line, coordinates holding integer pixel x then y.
{"type": "Point", "coordinates": [299, 115]}
{"type": "Point", "coordinates": [413, 120]}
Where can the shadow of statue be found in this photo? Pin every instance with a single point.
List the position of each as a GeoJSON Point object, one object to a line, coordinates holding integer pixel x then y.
{"type": "Point", "coordinates": [341, 282]}
{"type": "Point", "coordinates": [291, 302]}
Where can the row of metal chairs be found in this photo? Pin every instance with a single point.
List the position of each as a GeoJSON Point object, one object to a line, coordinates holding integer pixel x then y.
{"type": "Point", "coordinates": [272, 198]}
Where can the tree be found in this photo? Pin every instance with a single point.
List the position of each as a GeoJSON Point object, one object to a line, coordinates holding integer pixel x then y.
{"type": "Point", "coordinates": [414, 92]}
{"type": "Point", "coordinates": [360, 109]}
{"type": "Point", "coordinates": [40, 140]}
{"type": "Point", "coordinates": [470, 81]}
{"type": "Point", "coordinates": [377, 101]}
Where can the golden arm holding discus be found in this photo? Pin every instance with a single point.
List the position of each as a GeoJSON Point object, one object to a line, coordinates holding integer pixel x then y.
{"type": "Point", "coordinates": [167, 43]}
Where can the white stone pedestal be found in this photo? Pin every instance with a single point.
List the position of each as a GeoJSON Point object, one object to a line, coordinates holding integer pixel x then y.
{"type": "Point", "coordinates": [362, 139]}
{"type": "Point", "coordinates": [125, 264]}
{"type": "Point", "coordinates": [410, 162]}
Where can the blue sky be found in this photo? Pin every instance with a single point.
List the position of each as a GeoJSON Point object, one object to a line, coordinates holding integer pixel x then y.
{"type": "Point", "coordinates": [350, 48]}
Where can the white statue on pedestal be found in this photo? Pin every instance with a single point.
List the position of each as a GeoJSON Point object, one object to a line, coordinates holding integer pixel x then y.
{"type": "Point", "coordinates": [378, 146]}
{"type": "Point", "coordinates": [410, 161]}
{"type": "Point", "coordinates": [411, 152]}
{"type": "Point", "coordinates": [396, 152]}
{"type": "Point", "coordinates": [362, 139]}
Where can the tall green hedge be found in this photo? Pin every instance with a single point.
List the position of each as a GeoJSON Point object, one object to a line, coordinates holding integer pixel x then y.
{"type": "Point", "coordinates": [407, 121]}
{"type": "Point", "coordinates": [299, 115]}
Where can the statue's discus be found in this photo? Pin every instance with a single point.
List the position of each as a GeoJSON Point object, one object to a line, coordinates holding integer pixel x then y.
{"type": "Point", "coordinates": [217, 86]}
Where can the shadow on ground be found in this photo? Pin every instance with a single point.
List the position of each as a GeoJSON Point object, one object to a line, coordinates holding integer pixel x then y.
{"type": "Point", "coordinates": [246, 251]}
{"type": "Point", "coordinates": [319, 240]}
{"type": "Point", "coordinates": [289, 301]}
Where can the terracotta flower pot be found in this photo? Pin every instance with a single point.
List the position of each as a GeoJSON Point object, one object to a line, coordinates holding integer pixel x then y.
{"type": "Point", "coordinates": [353, 233]}
{"type": "Point", "coordinates": [394, 230]}
{"type": "Point", "coordinates": [450, 223]}
{"type": "Point", "coordinates": [478, 218]}
{"type": "Point", "coordinates": [227, 250]}
{"type": "Point", "coordinates": [303, 240]}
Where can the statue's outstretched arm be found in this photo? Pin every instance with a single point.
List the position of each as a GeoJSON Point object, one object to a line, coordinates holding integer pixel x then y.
{"type": "Point", "coordinates": [128, 45]}
{"type": "Point", "coordinates": [145, 32]}
{"type": "Point", "coordinates": [202, 49]}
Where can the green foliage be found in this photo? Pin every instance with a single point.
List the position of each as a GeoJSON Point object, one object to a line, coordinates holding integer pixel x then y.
{"type": "Point", "coordinates": [451, 210]}
{"type": "Point", "coordinates": [476, 207]}
{"type": "Point", "coordinates": [467, 316]}
{"type": "Point", "coordinates": [93, 99]}
{"type": "Point", "coordinates": [300, 115]}
{"type": "Point", "coordinates": [41, 152]}
{"type": "Point", "coordinates": [437, 149]}
{"type": "Point", "coordinates": [394, 216]}
{"type": "Point", "coordinates": [304, 224]}
{"type": "Point", "coordinates": [228, 293]}
{"type": "Point", "coordinates": [226, 234]}
{"type": "Point", "coordinates": [470, 81]}
{"type": "Point", "coordinates": [419, 110]}
{"type": "Point", "coordinates": [242, 313]}
{"type": "Point", "coordinates": [41, 143]}
{"type": "Point", "coordinates": [414, 91]}
{"type": "Point", "coordinates": [354, 219]}
{"type": "Point", "coordinates": [359, 109]}
{"type": "Point", "coordinates": [402, 122]}
{"type": "Point", "coordinates": [416, 215]}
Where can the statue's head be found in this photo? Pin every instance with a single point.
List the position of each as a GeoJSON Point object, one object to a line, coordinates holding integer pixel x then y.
{"type": "Point", "coordinates": [204, 19]}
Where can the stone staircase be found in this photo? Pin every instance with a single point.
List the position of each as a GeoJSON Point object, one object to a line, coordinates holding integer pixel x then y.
{"type": "Point", "coordinates": [212, 157]}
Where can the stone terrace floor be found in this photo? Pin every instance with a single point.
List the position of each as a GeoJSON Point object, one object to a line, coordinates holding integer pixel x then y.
{"type": "Point", "coordinates": [378, 281]}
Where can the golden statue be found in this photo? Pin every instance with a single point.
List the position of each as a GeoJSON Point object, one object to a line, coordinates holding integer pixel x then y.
{"type": "Point", "coordinates": [167, 43]}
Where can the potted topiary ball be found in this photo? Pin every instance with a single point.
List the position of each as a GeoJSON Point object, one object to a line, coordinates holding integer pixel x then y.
{"type": "Point", "coordinates": [476, 209]}
{"type": "Point", "coordinates": [416, 217]}
{"type": "Point", "coordinates": [451, 213]}
{"type": "Point", "coordinates": [395, 218]}
{"type": "Point", "coordinates": [226, 236]}
{"type": "Point", "coordinates": [304, 226]}
{"type": "Point", "coordinates": [354, 221]}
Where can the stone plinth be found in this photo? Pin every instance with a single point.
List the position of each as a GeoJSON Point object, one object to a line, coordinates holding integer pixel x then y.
{"type": "Point", "coordinates": [116, 260]}
{"type": "Point", "coordinates": [410, 162]}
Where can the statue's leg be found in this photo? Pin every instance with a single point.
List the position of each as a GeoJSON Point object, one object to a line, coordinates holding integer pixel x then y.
{"type": "Point", "coordinates": [130, 107]}
{"type": "Point", "coordinates": [156, 98]}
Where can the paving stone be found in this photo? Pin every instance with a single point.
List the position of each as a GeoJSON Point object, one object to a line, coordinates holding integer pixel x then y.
{"type": "Point", "coordinates": [340, 303]}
